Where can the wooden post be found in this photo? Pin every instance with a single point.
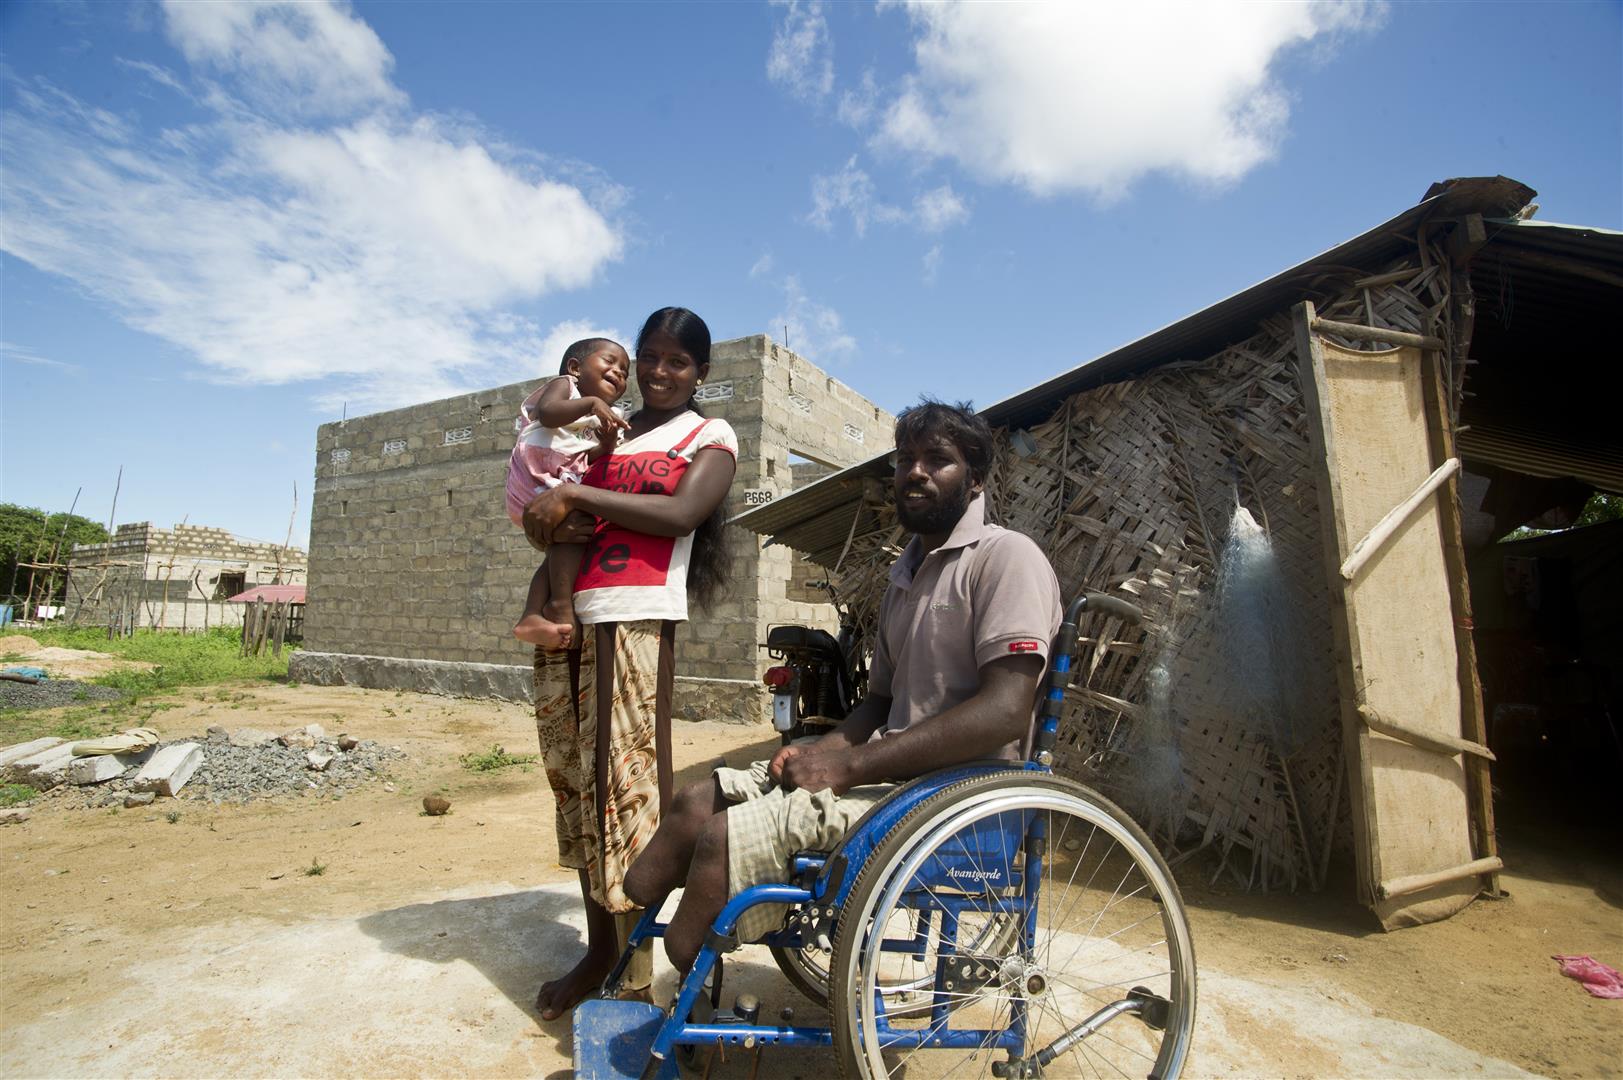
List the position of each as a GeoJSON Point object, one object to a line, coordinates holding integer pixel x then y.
{"type": "Point", "coordinates": [281, 627]}
{"type": "Point", "coordinates": [1473, 726]}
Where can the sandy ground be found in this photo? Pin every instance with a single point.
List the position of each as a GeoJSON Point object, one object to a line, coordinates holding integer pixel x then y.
{"type": "Point", "coordinates": [65, 663]}
{"type": "Point", "coordinates": [136, 946]}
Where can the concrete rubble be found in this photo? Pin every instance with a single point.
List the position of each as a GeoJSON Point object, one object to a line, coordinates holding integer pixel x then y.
{"type": "Point", "coordinates": [223, 766]}
{"type": "Point", "coordinates": [169, 768]}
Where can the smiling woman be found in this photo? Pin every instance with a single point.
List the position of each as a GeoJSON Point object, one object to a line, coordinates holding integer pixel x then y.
{"type": "Point", "coordinates": [650, 513]}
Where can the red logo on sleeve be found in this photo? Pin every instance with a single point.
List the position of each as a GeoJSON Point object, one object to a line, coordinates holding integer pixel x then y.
{"type": "Point", "coordinates": [1024, 646]}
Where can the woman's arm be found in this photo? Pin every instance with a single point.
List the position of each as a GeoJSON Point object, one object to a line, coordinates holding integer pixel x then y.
{"type": "Point", "coordinates": [702, 487]}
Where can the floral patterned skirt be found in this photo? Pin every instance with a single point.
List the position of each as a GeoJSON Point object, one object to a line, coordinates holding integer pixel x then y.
{"type": "Point", "coordinates": [605, 732]}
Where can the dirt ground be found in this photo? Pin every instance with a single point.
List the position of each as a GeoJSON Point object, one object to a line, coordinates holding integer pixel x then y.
{"type": "Point", "coordinates": [65, 663]}
{"type": "Point", "coordinates": [138, 946]}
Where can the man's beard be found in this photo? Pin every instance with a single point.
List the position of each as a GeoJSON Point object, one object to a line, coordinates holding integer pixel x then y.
{"type": "Point", "coordinates": [938, 519]}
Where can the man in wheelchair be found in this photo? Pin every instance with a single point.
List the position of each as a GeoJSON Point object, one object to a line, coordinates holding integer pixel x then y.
{"type": "Point", "coordinates": [963, 637]}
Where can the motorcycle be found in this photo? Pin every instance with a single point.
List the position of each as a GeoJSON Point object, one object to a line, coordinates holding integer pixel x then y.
{"type": "Point", "coordinates": [819, 677]}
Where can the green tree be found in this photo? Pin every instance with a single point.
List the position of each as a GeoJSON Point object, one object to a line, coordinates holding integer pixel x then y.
{"type": "Point", "coordinates": [28, 534]}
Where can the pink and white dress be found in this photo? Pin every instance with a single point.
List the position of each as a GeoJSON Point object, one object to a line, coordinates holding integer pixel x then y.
{"type": "Point", "coordinates": [545, 457]}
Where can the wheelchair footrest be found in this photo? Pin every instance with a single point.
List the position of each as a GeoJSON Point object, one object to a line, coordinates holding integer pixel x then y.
{"type": "Point", "coordinates": [613, 1038]}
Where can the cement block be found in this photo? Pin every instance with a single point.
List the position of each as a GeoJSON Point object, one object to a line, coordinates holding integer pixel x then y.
{"type": "Point", "coordinates": [169, 769]}
{"type": "Point", "coordinates": [28, 749]}
{"type": "Point", "coordinates": [99, 768]}
{"type": "Point", "coordinates": [42, 770]}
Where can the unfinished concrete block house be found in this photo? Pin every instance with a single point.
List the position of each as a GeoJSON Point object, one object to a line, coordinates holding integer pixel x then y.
{"type": "Point", "coordinates": [417, 575]}
{"type": "Point", "coordinates": [1300, 485]}
{"type": "Point", "coordinates": [173, 579]}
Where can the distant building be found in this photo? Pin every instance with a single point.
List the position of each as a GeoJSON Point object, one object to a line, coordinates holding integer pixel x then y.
{"type": "Point", "coordinates": [178, 579]}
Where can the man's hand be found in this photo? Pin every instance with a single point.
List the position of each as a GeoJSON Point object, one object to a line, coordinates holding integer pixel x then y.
{"type": "Point", "coordinates": [816, 769]}
{"type": "Point", "coordinates": [774, 767]}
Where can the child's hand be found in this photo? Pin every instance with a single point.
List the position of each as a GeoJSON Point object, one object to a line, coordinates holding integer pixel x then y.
{"type": "Point", "coordinates": [608, 421]}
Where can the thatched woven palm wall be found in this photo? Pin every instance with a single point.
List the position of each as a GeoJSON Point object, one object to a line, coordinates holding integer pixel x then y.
{"type": "Point", "coordinates": [1131, 489]}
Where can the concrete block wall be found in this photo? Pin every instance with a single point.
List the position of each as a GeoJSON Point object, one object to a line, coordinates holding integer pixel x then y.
{"type": "Point", "coordinates": [413, 556]}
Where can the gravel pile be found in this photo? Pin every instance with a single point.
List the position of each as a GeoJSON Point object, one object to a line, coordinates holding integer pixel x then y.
{"type": "Point", "coordinates": [241, 774]}
{"type": "Point", "coordinates": [52, 693]}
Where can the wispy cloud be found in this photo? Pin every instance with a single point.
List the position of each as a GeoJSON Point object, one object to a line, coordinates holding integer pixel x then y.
{"type": "Point", "coordinates": [762, 266]}
{"type": "Point", "coordinates": [1063, 97]}
{"type": "Point", "coordinates": [815, 330]}
{"type": "Point", "coordinates": [801, 58]}
{"type": "Point", "coordinates": [850, 191]}
{"type": "Point", "coordinates": [932, 264]}
{"type": "Point", "coordinates": [314, 227]}
{"type": "Point", "coordinates": [13, 353]}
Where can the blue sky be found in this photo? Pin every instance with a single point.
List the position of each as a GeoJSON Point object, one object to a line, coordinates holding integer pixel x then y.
{"type": "Point", "coordinates": [223, 224]}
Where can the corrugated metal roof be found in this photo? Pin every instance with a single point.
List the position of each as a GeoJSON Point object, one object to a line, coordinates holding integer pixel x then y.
{"type": "Point", "coordinates": [809, 520]}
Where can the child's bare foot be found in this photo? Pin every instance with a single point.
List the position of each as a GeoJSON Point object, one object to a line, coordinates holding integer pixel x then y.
{"type": "Point", "coordinates": [538, 631]}
{"type": "Point", "coordinates": [562, 612]}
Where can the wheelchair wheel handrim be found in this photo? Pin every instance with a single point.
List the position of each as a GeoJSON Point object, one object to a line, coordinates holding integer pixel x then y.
{"type": "Point", "coordinates": [1136, 936]}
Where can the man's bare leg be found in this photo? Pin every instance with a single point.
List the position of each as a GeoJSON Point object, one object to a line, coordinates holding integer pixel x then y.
{"type": "Point", "coordinates": [703, 896]}
{"type": "Point", "coordinates": [562, 994]}
{"type": "Point", "coordinates": [664, 864]}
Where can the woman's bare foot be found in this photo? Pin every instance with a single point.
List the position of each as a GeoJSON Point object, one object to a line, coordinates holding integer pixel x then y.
{"type": "Point", "coordinates": [538, 631]}
{"type": "Point", "coordinates": [562, 994]}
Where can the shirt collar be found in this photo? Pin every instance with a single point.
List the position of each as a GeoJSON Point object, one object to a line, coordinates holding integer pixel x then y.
{"type": "Point", "coordinates": [970, 528]}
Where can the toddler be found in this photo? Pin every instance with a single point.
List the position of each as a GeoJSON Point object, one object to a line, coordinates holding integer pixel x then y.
{"type": "Point", "coordinates": [567, 424]}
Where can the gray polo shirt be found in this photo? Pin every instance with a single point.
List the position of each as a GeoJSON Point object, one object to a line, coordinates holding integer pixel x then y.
{"type": "Point", "coordinates": [987, 592]}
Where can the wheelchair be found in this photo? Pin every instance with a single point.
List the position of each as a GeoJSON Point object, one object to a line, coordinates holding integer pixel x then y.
{"type": "Point", "coordinates": [986, 919]}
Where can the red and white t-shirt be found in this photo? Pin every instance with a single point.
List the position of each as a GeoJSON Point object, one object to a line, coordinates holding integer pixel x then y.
{"type": "Point", "coordinates": [629, 575]}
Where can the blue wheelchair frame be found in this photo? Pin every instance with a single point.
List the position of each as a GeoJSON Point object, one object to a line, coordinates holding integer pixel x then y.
{"type": "Point", "coordinates": [616, 1032]}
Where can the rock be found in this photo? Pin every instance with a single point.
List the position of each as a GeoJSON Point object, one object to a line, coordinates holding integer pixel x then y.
{"type": "Point", "coordinates": [100, 768]}
{"type": "Point", "coordinates": [435, 805]}
{"type": "Point", "coordinates": [348, 742]}
{"type": "Point", "coordinates": [315, 731]}
{"type": "Point", "coordinates": [169, 769]}
{"type": "Point", "coordinates": [249, 737]}
{"type": "Point", "coordinates": [297, 739]}
{"type": "Point", "coordinates": [318, 760]}
{"type": "Point", "coordinates": [43, 770]}
{"type": "Point", "coordinates": [28, 749]}
{"type": "Point", "coordinates": [217, 733]}
{"type": "Point", "coordinates": [15, 815]}
{"type": "Point", "coordinates": [138, 798]}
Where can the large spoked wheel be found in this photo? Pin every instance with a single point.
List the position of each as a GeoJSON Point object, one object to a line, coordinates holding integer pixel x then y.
{"type": "Point", "coordinates": [1098, 978]}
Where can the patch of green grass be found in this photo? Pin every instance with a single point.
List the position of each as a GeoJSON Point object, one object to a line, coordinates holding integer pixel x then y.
{"type": "Point", "coordinates": [79, 722]}
{"type": "Point", "coordinates": [495, 758]}
{"type": "Point", "coordinates": [182, 659]}
{"type": "Point", "coordinates": [14, 794]}
{"type": "Point", "coordinates": [315, 869]}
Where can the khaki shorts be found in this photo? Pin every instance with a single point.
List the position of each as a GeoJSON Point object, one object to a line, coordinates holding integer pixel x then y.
{"type": "Point", "coordinates": [767, 826]}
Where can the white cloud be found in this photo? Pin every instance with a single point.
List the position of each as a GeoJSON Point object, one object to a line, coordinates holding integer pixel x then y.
{"type": "Point", "coordinates": [378, 254]}
{"type": "Point", "coordinates": [815, 330]}
{"type": "Point", "coordinates": [763, 265]}
{"type": "Point", "coordinates": [932, 264]}
{"type": "Point", "coordinates": [802, 54]}
{"type": "Point", "coordinates": [851, 191]}
{"type": "Point", "coordinates": [304, 57]}
{"type": "Point", "coordinates": [1088, 97]}
{"type": "Point", "coordinates": [856, 107]}
{"type": "Point", "coordinates": [939, 209]}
